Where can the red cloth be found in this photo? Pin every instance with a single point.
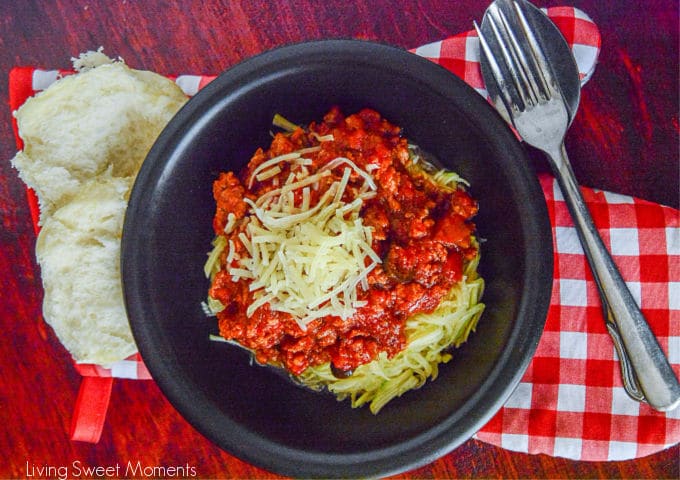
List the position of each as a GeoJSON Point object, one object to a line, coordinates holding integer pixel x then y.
{"type": "Point", "coordinates": [570, 402]}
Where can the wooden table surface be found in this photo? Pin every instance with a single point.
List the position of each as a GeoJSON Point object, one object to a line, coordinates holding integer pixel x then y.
{"type": "Point", "coordinates": [624, 139]}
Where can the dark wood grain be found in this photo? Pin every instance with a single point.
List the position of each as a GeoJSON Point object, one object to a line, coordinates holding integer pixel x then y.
{"type": "Point", "coordinates": [625, 139]}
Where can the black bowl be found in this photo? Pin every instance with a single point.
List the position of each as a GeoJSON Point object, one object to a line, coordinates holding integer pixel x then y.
{"type": "Point", "coordinates": [250, 411]}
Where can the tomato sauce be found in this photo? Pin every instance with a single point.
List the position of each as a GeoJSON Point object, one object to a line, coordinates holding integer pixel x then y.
{"type": "Point", "coordinates": [421, 231]}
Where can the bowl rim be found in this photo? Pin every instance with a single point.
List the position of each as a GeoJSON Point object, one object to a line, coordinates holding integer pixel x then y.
{"type": "Point", "coordinates": [423, 448]}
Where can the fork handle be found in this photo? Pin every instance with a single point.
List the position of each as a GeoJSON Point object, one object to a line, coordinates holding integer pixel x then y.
{"type": "Point", "coordinates": [654, 374]}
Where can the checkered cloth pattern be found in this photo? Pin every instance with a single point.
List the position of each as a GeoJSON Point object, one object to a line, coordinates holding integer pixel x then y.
{"type": "Point", "coordinates": [570, 402]}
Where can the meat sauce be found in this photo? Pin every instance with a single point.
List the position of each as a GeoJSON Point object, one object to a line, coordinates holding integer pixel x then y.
{"type": "Point", "coordinates": [421, 231]}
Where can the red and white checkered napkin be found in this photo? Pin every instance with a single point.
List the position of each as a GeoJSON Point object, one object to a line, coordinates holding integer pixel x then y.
{"type": "Point", "coordinates": [571, 402]}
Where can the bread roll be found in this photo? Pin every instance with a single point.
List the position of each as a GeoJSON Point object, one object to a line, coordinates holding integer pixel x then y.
{"type": "Point", "coordinates": [85, 138]}
{"type": "Point", "coordinates": [108, 116]}
{"type": "Point", "coordinates": [78, 249]}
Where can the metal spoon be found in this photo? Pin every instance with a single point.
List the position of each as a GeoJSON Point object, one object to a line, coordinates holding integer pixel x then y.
{"type": "Point", "coordinates": [647, 375]}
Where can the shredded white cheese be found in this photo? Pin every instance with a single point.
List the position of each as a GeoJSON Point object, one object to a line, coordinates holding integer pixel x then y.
{"type": "Point", "coordinates": [308, 260]}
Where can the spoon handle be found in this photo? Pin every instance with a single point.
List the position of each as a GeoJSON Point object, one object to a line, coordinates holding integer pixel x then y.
{"type": "Point", "coordinates": [635, 343]}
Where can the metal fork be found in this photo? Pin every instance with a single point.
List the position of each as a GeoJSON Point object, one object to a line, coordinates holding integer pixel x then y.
{"type": "Point", "coordinates": [530, 97]}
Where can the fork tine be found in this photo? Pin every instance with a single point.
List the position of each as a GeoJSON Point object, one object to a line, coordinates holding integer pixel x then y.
{"type": "Point", "coordinates": [496, 70]}
{"type": "Point", "coordinates": [540, 64]}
